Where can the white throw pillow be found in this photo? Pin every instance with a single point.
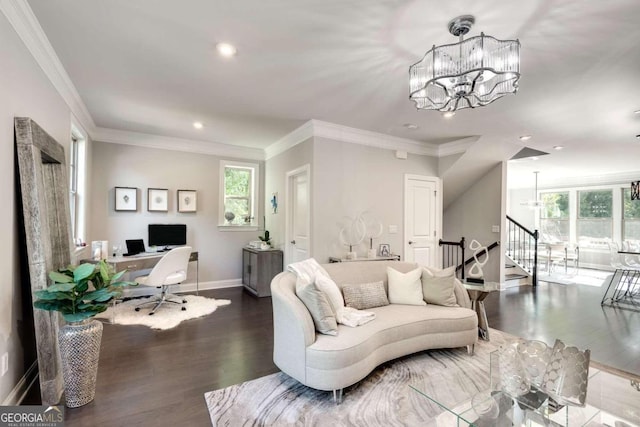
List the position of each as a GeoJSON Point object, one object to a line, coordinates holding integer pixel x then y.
{"type": "Point", "coordinates": [331, 291]}
{"type": "Point", "coordinates": [405, 288]}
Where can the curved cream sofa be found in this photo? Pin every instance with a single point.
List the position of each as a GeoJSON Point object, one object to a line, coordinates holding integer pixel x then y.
{"type": "Point", "coordinates": [325, 362]}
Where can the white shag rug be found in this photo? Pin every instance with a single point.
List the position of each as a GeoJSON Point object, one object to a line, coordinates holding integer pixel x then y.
{"type": "Point", "coordinates": [165, 317]}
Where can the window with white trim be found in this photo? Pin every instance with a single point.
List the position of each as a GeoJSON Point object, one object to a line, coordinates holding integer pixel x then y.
{"type": "Point", "coordinates": [630, 216]}
{"type": "Point", "coordinates": [554, 217]}
{"type": "Point", "coordinates": [77, 173]}
{"type": "Point", "coordinates": [73, 187]}
{"type": "Point", "coordinates": [238, 194]}
{"type": "Point", "coordinates": [595, 214]}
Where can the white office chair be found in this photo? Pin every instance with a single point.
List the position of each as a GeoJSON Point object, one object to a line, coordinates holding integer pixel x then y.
{"type": "Point", "coordinates": [170, 270]}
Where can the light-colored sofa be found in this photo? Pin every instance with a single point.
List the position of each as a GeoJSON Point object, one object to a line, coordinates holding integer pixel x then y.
{"type": "Point", "coordinates": [332, 363]}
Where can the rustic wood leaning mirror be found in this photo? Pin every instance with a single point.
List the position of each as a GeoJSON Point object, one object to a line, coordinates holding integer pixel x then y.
{"type": "Point", "coordinates": [45, 208]}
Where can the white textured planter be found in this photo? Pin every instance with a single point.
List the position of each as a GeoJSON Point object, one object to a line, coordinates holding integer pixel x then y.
{"type": "Point", "coordinates": [80, 351]}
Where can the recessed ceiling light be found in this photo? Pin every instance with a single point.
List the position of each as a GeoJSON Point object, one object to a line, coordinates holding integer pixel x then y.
{"type": "Point", "coordinates": [558, 147]}
{"type": "Point", "coordinates": [198, 125]}
{"type": "Point", "coordinates": [637, 112]}
{"type": "Point", "coordinates": [448, 114]}
{"type": "Point", "coordinates": [525, 137]}
{"type": "Point", "coordinates": [410, 126]}
{"type": "Point", "coordinates": [638, 136]}
{"type": "Point", "coordinates": [227, 50]}
{"type": "Point", "coordinates": [534, 158]}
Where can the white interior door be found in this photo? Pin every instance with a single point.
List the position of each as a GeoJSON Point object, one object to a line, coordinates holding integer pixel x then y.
{"type": "Point", "coordinates": [298, 231]}
{"type": "Point", "coordinates": [422, 219]}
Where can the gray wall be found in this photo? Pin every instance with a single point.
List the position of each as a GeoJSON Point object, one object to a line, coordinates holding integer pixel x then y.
{"type": "Point", "coordinates": [24, 91]}
{"type": "Point", "coordinates": [473, 214]}
{"type": "Point", "coordinates": [129, 166]}
{"type": "Point", "coordinates": [276, 169]}
{"type": "Point", "coordinates": [349, 179]}
{"type": "Point", "coordinates": [444, 163]}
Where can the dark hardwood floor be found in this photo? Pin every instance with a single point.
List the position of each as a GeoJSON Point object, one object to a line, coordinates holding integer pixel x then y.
{"type": "Point", "coordinates": [158, 378]}
{"type": "Point", "coordinates": [572, 313]}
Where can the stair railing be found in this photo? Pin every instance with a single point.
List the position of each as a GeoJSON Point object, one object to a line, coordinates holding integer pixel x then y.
{"type": "Point", "coordinates": [522, 247]}
{"type": "Point", "coordinates": [453, 254]}
{"type": "Point", "coordinates": [482, 252]}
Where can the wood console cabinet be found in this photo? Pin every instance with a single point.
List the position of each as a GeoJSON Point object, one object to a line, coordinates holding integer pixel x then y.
{"type": "Point", "coordinates": [258, 268]}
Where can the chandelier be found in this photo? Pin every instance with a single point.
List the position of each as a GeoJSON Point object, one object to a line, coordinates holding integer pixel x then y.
{"type": "Point", "coordinates": [468, 74]}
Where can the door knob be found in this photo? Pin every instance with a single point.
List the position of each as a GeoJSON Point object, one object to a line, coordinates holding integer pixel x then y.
{"type": "Point", "coordinates": [410, 242]}
{"type": "Point", "coordinates": [293, 242]}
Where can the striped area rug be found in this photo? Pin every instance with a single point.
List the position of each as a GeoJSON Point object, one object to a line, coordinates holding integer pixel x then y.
{"type": "Point", "coordinates": [384, 398]}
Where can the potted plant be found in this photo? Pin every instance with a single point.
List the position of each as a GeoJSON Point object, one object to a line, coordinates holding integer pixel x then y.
{"type": "Point", "coordinates": [266, 239]}
{"type": "Point", "coordinates": [79, 293]}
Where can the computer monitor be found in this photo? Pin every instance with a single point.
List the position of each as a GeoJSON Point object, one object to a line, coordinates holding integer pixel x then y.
{"type": "Point", "coordinates": [167, 234]}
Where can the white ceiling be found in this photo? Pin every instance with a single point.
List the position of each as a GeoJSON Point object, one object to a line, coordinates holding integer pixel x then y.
{"type": "Point", "coordinates": [151, 66]}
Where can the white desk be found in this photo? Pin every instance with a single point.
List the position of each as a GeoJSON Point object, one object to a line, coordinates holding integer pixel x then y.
{"type": "Point", "coordinates": [143, 262]}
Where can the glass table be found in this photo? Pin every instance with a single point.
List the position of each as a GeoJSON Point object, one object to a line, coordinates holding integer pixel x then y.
{"type": "Point", "coordinates": [477, 293]}
{"type": "Point", "coordinates": [612, 400]}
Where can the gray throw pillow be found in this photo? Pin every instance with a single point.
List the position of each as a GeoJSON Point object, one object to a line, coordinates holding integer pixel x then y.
{"type": "Point", "coordinates": [316, 302]}
{"type": "Point", "coordinates": [365, 295]}
{"type": "Point", "coordinates": [439, 290]}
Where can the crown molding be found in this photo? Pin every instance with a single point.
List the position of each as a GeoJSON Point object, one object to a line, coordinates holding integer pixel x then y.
{"type": "Point", "coordinates": [290, 140]}
{"type": "Point", "coordinates": [371, 139]}
{"type": "Point", "coordinates": [26, 25]}
{"type": "Point", "coordinates": [318, 128]}
{"type": "Point", "coordinates": [456, 147]}
{"type": "Point", "coordinates": [115, 136]}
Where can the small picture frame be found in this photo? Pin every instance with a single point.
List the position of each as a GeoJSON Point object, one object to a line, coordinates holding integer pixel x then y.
{"type": "Point", "coordinates": [384, 249]}
{"type": "Point", "coordinates": [157, 200]}
{"type": "Point", "coordinates": [126, 199]}
{"type": "Point", "coordinates": [187, 200]}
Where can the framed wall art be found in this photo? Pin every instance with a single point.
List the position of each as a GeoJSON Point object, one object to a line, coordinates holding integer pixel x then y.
{"type": "Point", "coordinates": [384, 250]}
{"type": "Point", "coordinates": [126, 199]}
{"type": "Point", "coordinates": [187, 200]}
{"type": "Point", "coordinates": [157, 199]}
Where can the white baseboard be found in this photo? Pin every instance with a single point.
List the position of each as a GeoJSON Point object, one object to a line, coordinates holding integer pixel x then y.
{"type": "Point", "coordinates": [137, 291]}
{"type": "Point", "coordinates": [21, 389]}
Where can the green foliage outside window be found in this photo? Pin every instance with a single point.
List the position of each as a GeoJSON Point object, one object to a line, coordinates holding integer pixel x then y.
{"type": "Point", "coordinates": [237, 182]}
{"type": "Point", "coordinates": [237, 193]}
{"type": "Point", "coordinates": [595, 204]}
{"type": "Point", "coordinates": [555, 205]}
{"type": "Point", "coordinates": [631, 207]}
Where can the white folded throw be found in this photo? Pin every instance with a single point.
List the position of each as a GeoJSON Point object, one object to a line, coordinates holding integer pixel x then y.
{"type": "Point", "coordinates": [351, 317]}
{"type": "Point", "coordinates": [309, 270]}
{"type": "Point", "coordinates": [306, 269]}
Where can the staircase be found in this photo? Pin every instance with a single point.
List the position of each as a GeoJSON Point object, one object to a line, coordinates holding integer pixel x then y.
{"type": "Point", "coordinates": [522, 255]}
{"type": "Point", "coordinates": [515, 276]}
